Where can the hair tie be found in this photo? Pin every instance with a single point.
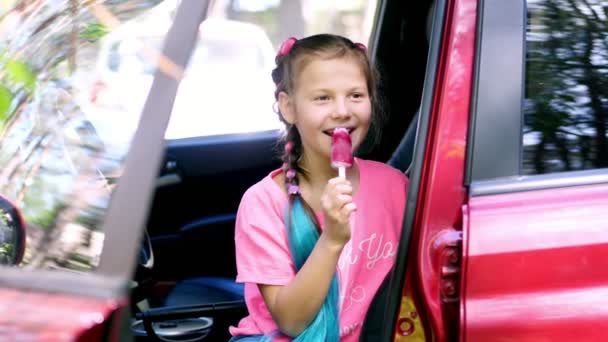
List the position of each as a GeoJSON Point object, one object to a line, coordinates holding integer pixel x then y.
{"type": "Point", "coordinates": [361, 47]}
{"type": "Point", "coordinates": [286, 47]}
{"type": "Point", "coordinates": [293, 189]}
{"type": "Point", "coordinates": [288, 147]}
{"type": "Point", "coordinates": [290, 174]}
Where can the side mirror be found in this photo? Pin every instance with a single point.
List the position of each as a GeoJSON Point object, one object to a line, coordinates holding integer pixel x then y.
{"type": "Point", "coordinates": [12, 233]}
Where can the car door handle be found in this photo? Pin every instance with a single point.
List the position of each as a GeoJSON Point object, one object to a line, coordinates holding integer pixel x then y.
{"type": "Point", "coordinates": [168, 179]}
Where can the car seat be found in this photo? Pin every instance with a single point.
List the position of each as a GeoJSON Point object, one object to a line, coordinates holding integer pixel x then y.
{"type": "Point", "coordinates": [402, 157]}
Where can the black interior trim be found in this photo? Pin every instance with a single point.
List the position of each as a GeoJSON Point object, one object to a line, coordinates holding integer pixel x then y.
{"type": "Point", "coordinates": [374, 324]}
{"type": "Point", "coordinates": [128, 211]}
{"type": "Point", "coordinates": [217, 310]}
{"type": "Point", "coordinates": [400, 29]}
{"type": "Point", "coordinates": [177, 312]}
{"type": "Point", "coordinates": [539, 182]}
{"type": "Point", "coordinates": [193, 226]}
{"type": "Point", "coordinates": [165, 238]}
{"type": "Point", "coordinates": [374, 37]}
{"type": "Point", "coordinates": [474, 94]}
{"type": "Point", "coordinates": [498, 96]}
{"type": "Point", "coordinates": [223, 153]}
{"type": "Point", "coordinates": [208, 221]}
{"type": "Point", "coordinates": [393, 303]}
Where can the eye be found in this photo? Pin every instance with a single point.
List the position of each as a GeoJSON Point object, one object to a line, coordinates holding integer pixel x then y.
{"type": "Point", "coordinates": [322, 98]}
{"type": "Point", "coordinates": [358, 95]}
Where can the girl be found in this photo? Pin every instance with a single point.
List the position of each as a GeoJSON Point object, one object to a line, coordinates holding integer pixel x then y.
{"type": "Point", "coordinates": [313, 248]}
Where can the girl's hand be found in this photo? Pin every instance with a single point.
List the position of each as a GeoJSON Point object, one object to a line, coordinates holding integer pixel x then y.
{"type": "Point", "coordinates": [337, 204]}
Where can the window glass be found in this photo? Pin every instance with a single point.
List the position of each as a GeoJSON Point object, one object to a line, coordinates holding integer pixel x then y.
{"type": "Point", "coordinates": [566, 104]}
{"type": "Point", "coordinates": [227, 87]}
{"type": "Point", "coordinates": [60, 151]}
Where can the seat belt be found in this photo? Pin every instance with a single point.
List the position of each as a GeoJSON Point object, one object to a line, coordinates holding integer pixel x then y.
{"type": "Point", "coordinates": [128, 210]}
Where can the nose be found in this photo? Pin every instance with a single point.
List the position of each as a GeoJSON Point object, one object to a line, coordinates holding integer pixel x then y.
{"type": "Point", "coordinates": [341, 109]}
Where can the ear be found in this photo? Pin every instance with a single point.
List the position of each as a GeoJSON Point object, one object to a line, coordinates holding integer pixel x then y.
{"type": "Point", "coordinates": [286, 107]}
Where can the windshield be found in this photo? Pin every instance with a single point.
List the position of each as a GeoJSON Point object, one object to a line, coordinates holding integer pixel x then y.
{"type": "Point", "coordinates": [58, 167]}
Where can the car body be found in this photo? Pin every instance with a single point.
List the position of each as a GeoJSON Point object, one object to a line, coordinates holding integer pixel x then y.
{"type": "Point", "coordinates": [505, 230]}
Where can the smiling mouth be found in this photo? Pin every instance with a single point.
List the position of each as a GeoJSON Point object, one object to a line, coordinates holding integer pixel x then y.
{"type": "Point", "coordinates": [329, 132]}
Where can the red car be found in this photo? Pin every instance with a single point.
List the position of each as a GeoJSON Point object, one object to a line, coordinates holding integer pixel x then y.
{"type": "Point", "coordinates": [497, 111]}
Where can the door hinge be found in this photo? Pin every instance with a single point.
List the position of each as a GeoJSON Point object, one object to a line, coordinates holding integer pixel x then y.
{"type": "Point", "coordinates": [449, 247]}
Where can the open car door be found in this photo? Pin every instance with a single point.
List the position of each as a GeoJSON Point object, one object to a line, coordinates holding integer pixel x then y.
{"type": "Point", "coordinates": [536, 225]}
{"type": "Point", "coordinates": [56, 173]}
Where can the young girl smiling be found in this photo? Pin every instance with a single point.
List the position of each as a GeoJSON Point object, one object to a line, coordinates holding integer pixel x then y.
{"type": "Point", "coordinates": [313, 248]}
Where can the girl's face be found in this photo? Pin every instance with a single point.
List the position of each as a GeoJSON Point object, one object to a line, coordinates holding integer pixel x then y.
{"type": "Point", "coordinates": [329, 93]}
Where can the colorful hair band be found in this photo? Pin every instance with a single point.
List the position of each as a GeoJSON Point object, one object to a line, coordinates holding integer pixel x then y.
{"type": "Point", "coordinates": [361, 46]}
{"type": "Point", "coordinates": [286, 46]}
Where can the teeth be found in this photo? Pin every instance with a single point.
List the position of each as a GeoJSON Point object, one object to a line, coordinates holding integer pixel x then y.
{"type": "Point", "coordinates": [331, 131]}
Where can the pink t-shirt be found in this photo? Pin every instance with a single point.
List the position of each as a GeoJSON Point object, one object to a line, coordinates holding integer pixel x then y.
{"type": "Point", "coordinates": [263, 255]}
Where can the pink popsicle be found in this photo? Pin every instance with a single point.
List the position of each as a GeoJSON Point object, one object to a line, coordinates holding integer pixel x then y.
{"type": "Point", "coordinates": [341, 151]}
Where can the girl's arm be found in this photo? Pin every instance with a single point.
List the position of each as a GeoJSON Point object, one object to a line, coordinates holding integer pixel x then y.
{"type": "Point", "coordinates": [295, 305]}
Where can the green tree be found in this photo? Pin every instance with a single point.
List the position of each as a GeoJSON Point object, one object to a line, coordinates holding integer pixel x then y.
{"type": "Point", "coordinates": [566, 91]}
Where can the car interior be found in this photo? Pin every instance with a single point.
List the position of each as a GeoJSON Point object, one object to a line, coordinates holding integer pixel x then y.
{"type": "Point", "coordinates": [187, 263]}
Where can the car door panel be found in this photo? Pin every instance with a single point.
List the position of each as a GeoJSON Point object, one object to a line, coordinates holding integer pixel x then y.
{"type": "Point", "coordinates": [192, 219]}
{"type": "Point", "coordinates": [535, 265]}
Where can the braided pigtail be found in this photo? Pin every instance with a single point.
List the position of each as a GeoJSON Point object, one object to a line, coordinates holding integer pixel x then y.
{"type": "Point", "coordinates": [303, 231]}
{"type": "Point", "coordinates": [302, 224]}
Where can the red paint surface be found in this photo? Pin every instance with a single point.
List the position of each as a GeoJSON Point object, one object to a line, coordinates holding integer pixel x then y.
{"type": "Point", "coordinates": [536, 266]}
{"type": "Point", "coordinates": [442, 193]}
{"type": "Point", "coordinates": [31, 316]}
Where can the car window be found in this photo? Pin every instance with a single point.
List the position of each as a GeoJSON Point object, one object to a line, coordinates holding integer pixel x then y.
{"type": "Point", "coordinates": [227, 88]}
{"type": "Point", "coordinates": [120, 52]}
{"type": "Point", "coordinates": [60, 154]}
{"type": "Point", "coordinates": [229, 55]}
{"type": "Point", "coordinates": [566, 92]}
{"type": "Point", "coordinates": [220, 52]}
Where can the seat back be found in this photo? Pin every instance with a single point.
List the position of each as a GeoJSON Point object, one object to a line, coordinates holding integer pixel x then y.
{"type": "Point", "coordinates": [402, 158]}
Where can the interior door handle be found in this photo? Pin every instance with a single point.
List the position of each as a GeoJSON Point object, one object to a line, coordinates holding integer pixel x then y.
{"type": "Point", "coordinates": [168, 179]}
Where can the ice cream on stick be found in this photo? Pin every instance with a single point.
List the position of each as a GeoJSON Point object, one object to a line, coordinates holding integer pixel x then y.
{"type": "Point", "coordinates": [341, 151]}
